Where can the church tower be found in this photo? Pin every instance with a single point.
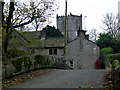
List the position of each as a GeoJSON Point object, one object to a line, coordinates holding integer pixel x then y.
{"type": "Point", "coordinates": [74, 22]}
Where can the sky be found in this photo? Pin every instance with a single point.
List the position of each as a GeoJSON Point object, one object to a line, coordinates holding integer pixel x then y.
{"type": "Point", "coordinates": [93, 10]}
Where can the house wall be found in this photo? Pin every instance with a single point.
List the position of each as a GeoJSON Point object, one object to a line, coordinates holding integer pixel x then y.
{"type": "Point", "coordinates": [43, 52]}
{"type": "Point", "coordinates": [89, 54]}
{"type": "Point", "coordinates": [60, 52]}
{"type": "Point", "coordinates": [82, 52]}
{"type": "Point", "coordinates": [72, 53]}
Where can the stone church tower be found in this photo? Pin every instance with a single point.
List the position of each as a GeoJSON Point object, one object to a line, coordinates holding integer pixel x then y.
{"type": "Point", "coordinates": [74, 22]}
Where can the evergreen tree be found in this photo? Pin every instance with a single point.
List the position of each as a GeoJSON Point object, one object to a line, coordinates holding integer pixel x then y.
{"type": "Point", "coordinates": [52, 32]}
{"type": "Point", "coordinates": [106, 40]}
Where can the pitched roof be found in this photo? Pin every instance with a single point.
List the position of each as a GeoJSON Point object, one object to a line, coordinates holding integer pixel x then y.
{"type": "Point", "coordinates": [49, 42]}
{"type": "Point", "coordinates": [54, 42]}
{"type": "Point", "coordinates": [35, 41]}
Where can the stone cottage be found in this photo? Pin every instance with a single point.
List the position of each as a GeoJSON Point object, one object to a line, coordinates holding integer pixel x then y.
{"type": "Point", "coordinates": [53, 46]}
{"type": "Point", "coordinates": [81, 52]}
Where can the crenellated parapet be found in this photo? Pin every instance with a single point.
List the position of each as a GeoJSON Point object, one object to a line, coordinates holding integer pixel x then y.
{"type": "Point", "coordinates": [69, 15]}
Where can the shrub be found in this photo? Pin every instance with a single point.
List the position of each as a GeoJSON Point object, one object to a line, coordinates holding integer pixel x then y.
{"type": "Point", "coordinates": [27, 63]}
{"type": "Point", "coordinates": [116, 63]}
{"type": "Point", "coordinates": [116, 56]}
{"type": "Point", "coordinates": [18, 64]}
{"type": "Point", "coordinates": [100, 64]}
{"type": "Point", "coordinates": [104, 52]}
{"type": "Point", "coordinates": [12, 53]}
{"type": "Point", "coordinates": [39, 59]}
{"type": "Point", "coordinates": [112, 57]}
{"type": "Point", "coordinates": [42, 60]}
{"type": "Point", "coordinates": [47, 62]}
{"type": "Point", "coordinates": [97, 64]}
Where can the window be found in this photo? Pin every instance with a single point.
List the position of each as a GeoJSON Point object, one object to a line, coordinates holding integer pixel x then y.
{"type": "Point", "coordinates": [52, 51]}
{"type": "Point", "coordinates": [55, 51]}
{"type": "Point", "coordinates": [71, 63]}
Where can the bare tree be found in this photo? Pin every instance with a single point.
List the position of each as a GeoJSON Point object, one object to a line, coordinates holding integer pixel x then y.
{"type": "Point", "coordinates": [38, 23]}
{"type": "Point", "coordinates": [111, 23]}
{"type": "Point", "coordinates": [34, 9]}
{"type": "Point", "coordinates": [93, 35]}
{"type": "Point", "coordinates": [17, 14]}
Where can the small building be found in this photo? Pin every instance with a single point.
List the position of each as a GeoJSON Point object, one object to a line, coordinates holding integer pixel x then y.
{"type": "Point", "coordinates": [51, 46]}
{"type": "Point", "coordinates": [81, 52]}
{"type": "Point", "coordinates": [31, 42]}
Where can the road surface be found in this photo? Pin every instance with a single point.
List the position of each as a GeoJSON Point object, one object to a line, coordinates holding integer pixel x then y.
{"type": "Point", "coordinates": [66, 79]}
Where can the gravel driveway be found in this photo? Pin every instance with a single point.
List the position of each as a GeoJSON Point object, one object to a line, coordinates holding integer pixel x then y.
{"type": "Point", "coordinates": [66, 79]}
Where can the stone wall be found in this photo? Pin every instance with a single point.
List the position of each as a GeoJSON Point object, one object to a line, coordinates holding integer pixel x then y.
{"type": "Point", "coordinates": [44, 51]}
{"type": "Point", "coordinates": [9, 68]}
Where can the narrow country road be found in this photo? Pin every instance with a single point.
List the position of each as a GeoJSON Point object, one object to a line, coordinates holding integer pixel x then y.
{"type": "Point", "coordinates": [66, 79]}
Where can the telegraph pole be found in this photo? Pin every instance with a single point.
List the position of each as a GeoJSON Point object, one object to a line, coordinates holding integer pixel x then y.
{"type": "Point", "coordinates": [65, 38]}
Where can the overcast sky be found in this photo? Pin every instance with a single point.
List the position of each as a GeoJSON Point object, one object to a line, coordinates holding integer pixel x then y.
{"type": "Point", "coordinates": [93, 9]}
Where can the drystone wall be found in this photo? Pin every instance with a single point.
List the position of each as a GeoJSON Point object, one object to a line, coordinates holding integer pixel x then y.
{"type": "Point", "coordinates": [27, 63]}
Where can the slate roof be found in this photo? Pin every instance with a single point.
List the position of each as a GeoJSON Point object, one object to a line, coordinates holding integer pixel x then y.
{"type": "Point", "coordinates": [32, 34]}
{"type": "Point", "coordinates": [54, 42]}
{"type": "Point", "coordinates": [47, 43]}
{"type": "Point", "coordinates": [35, 41]}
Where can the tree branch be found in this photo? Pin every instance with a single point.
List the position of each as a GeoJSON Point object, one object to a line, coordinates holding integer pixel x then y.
{"type": "Point", "coordinates": [23, 37]}
{"type": "Point", "coordinates": [25, 23]}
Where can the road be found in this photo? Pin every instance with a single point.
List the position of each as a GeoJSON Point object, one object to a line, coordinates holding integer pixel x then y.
{"type": "Point", "coordinates": [66, 79]}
